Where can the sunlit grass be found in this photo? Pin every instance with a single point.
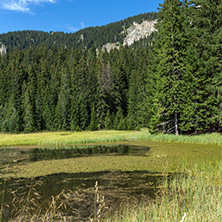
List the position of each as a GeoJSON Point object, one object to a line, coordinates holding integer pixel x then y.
{"type": "Point", "coordinates": [64, 138]}
{"type": "Point", "coordinates": [192, 193]}
{"type": "Point", "coordinates": [193, 196]}
{"type": "Point", "coordinates": [86, 137]}
{"type": "Point", "coordinates": [211, 138]}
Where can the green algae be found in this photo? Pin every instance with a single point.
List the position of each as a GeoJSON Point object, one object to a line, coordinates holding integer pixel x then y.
{"type": "Point", "coordinates": [160, 157]}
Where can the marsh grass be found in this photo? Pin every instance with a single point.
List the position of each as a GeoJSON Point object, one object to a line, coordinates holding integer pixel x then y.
{"type": "Point", "coordinates": [27, 205]}
{"type": "Point", "coordinates": [88, 137]}
{"type": "Point", "coordinates": [68, 205]}
{"type": "Point", "coordinates": [195, 192]}
{"type": "Point", "coordinates": [65, 138]}
{"type": "Point", "coordinates": [193, 196]}
{"type": "Point", "coordinates": [26, 201]}
{"type": "Point", "coordinates": [211, 138]}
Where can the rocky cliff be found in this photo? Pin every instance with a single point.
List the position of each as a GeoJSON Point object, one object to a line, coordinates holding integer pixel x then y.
{"type": "Point", "coordinates": [133, 34]}
{"type": "Point", "coordinates": [3, 49]}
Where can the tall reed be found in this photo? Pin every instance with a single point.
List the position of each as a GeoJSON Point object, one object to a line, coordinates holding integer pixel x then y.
{"type": "Point", "coordinates": [196, 196]}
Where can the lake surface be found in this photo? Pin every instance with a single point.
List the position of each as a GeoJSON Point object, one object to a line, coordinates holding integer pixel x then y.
{"type": "Point", "coordinates": [118, 188]}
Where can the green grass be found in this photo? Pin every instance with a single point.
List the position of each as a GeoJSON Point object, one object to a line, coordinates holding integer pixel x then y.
{"type": "Point", "coordinates": [65, 138]}
{"type": "Point", "coordinates": [194, 196]}
{"type": "Point", "coordinates": [213, 138]}
{"type": "Point", "coordinates": [86, 137]}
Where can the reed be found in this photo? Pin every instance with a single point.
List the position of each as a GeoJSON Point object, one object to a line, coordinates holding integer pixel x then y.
{"type": "Point", "coordinates": [193, 196]}
{"type": "Point", "coordinates": [68, 205]}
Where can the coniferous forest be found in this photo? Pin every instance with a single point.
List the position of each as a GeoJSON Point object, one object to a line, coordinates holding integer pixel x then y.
{"type": "Point", "coordinates": [171, 85]}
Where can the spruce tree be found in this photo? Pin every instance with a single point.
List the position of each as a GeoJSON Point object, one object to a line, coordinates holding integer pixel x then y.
{"type": "Point", "coordinates": [62, 108]}
{"type": "Point", "coordinates": [28, 117]}
{"type": "Point", "coordinates": [170, 46]}
{"type": "Point", "coordinates": [93, 121]}
{"type": "Point", "coordinates": [203, 108]}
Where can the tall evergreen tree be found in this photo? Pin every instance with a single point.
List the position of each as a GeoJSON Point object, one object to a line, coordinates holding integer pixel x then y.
{"type": "Point", "coordinates": [105, 91]}
{"type": "Point", "coordinates": [203, 108]}
{"type": "Point", "coordinates": [171, 48]}
{"type": "Point", "coordinates": [28, 117]}
{"type": "Point", "coordinates": [93, 121]}
{"type": "Point", "coordinates": [62, 116]}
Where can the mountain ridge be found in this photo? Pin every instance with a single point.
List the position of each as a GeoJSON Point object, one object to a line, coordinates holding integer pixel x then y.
{"type": "Point", "coordinates": [98, 36]}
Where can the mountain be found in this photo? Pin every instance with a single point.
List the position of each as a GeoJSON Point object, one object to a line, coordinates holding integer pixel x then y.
{"type": "Point", "coordinates": [124, 32]}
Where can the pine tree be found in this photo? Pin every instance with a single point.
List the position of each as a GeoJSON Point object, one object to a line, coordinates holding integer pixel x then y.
{"type": "Point", "coordinates": [93, 120]}
{"type": "Point", "coordinates": [108, 120]}
{"type": "Point", "coordinates": [171, 48]}
{"type": "Point", "coordinates": [28, 117]}
{"type": "Point", "coordinates": [10, 121]}
{"type": "Point", "coordinates": [105, 89]}
{"type": "Point", "coordinates": [203, 108]}
{"type": "Point", "coordinates": [138, 104]}
{"type": "Point", "coordinates": [79, 91]}
{"type": "Point", "coordinates": [63, 104]}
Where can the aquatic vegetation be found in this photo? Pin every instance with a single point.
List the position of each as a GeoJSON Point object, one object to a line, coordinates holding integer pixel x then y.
{"type": "Point", "coordinates": [192, 195]}
{"type": "Point", "coordinates": [3, 185]}
{"type": "Point", "coordinates": [159, 157]}
{"type": "Point", "coordinates": [195, 171]}
{"type": "Point", "coordinates": [77, 194]}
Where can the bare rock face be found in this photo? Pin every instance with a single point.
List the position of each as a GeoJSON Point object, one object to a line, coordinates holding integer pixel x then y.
{"type": "Point", "coordinates": [139, 31]}
{"type": "Point", "coordinates": [81, 38]}
{"type": "Point", "coordinates": [3, 49]}
{"type": "Point", "coordinates": [133, 34]}
{"type": "Point", "coordinates": [109, 46]}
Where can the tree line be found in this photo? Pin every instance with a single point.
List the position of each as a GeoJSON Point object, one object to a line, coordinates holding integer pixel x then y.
{"type": "Point", "coordinates": [172, 84]}
{"type": "Point", "coordinates": [70, 89]}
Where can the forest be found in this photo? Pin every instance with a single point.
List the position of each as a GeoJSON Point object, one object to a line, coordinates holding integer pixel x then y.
{"type": "Point", "coordinates": [171, 85]}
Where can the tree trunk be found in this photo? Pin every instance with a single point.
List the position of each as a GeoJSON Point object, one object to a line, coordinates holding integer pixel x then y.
{"type": "Point", "coordinates": [176, 124]}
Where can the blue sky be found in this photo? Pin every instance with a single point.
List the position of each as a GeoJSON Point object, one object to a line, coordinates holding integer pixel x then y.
{"type": "Point", "coordinates": [68, 15]}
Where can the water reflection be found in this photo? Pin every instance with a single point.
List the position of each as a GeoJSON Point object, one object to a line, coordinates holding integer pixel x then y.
{"type": "Point", "coordinates": [12, 156]}
{"type": "Point", "coordinates": [116, 187]}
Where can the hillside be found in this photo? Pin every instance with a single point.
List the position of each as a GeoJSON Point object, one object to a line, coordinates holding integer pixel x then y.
{"type": "Point", "coordinates": [85, 38]}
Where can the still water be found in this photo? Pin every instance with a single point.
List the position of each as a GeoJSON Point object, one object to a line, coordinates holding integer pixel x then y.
{"type": "Point", "coordinates": [118, 188]}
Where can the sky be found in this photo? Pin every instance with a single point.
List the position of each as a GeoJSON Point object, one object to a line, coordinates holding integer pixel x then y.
{"type": "Point", "coordinates": [68, 15]}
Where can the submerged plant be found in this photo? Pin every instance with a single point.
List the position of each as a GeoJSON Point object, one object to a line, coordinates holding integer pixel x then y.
{"type": "Point", "coordinates": [2, 199]}
{"type": "Point", "coordinates": [26, 201]}
{"type": "Point", "coordinates": [99, 204]}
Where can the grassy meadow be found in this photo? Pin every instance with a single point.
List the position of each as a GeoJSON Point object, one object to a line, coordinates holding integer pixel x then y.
{"type": "Point", "coordinates": [86, 137]}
